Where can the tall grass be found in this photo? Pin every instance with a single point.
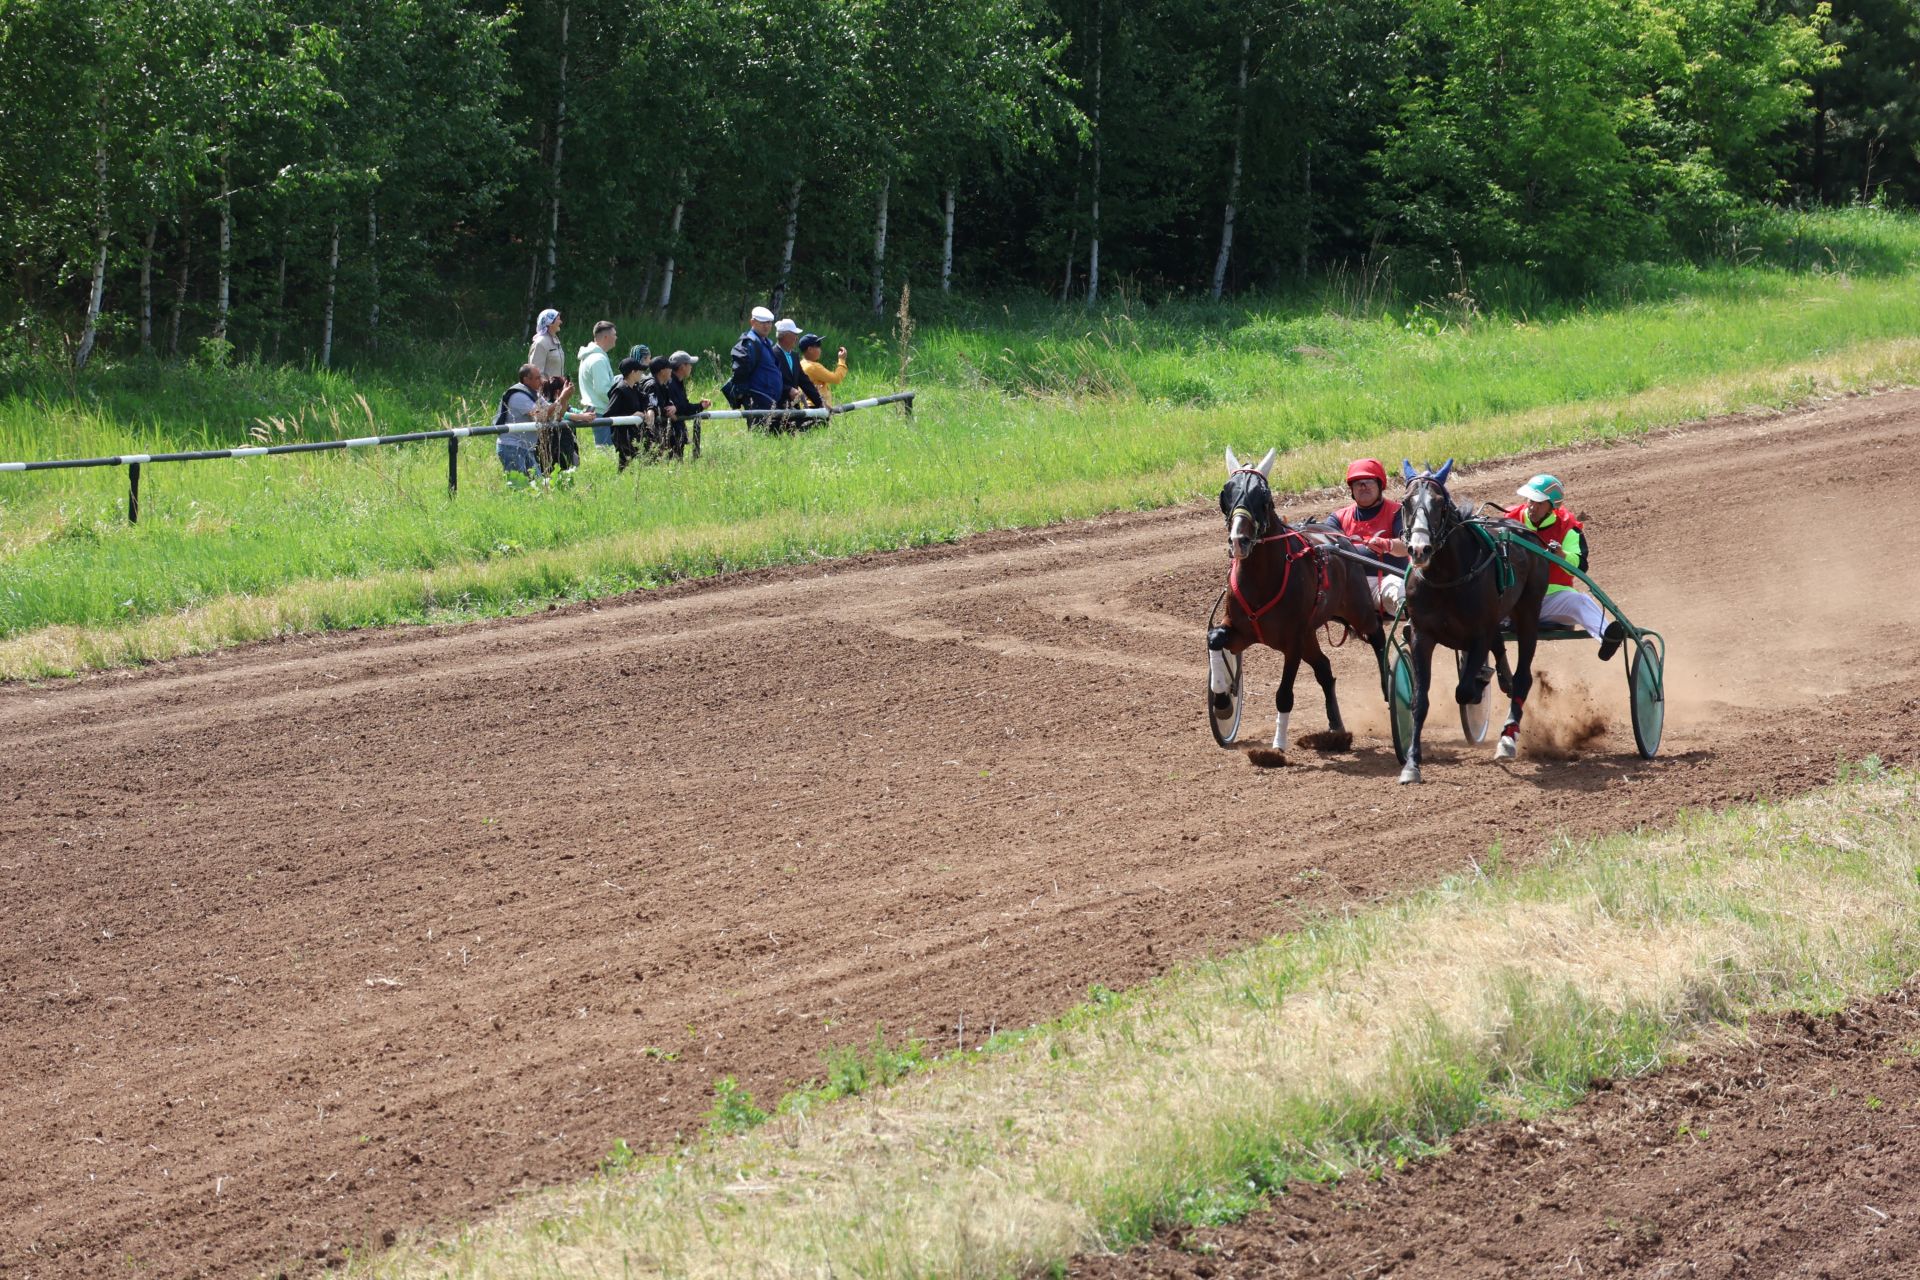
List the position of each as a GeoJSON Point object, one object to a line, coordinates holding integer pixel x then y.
{"type": "Point", "coordinates": [1355, 1042]}
{"type": "Point", "coordinates": [1038, 416]}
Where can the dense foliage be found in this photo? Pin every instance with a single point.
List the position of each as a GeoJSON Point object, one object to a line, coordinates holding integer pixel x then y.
{"type": "Point", "coordinates": [296, 178]}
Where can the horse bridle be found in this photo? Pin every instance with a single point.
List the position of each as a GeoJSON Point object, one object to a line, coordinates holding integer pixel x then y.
{"type": "Point", "coordinates": [1258, 522]}
{"type": "Point", "coordinates": [1453, 524]}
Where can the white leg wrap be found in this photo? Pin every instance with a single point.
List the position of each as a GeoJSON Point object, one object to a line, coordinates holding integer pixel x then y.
{"type": "Point", "coordinates": [1280, 730]}
{"type": "Point", "coordinates": [1217, 678]}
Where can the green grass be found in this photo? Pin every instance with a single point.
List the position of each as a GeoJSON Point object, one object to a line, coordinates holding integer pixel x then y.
{"type": "Point", "coordinates": [1026, 417]}
{"type": "Point", "coordinates": [1359, 1042]}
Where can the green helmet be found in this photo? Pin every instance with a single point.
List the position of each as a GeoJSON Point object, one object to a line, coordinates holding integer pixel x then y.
{"type": "Point", "coordinates": [1543, 488]}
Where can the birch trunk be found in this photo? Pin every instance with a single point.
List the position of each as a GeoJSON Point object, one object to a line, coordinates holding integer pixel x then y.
{"type": "Point", "coordinates": [225, 293]}
{"type": "Point", "coordinates": [559, 154]}
{"type": "Point", "coordinates": [786, 252]}
{"type": "Point", "coordinates": [880, 247]}
{"type": "Point", "coordinates": [333, 285]}
{"type": "Point", "coordinates": [98, 286]}
{"type": "Point", "coordinates": [1099, 60]}
{"type": "Point", "coordinates": [146, 288]}
{"type": "Point", "coordinates": [946, 253]}
{"type": "Point", "coordinates": [1233, 181]}
{"type": "Point", "coordinates": [373, 264]}
{"type": "Point", "coordinates": [673, 240]}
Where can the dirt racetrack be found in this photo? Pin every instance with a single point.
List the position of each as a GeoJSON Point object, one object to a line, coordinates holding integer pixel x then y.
{"type": "Point", "coordinates": [314, 942]}
{"type": "Point", "coordinates": [1795, 1155]}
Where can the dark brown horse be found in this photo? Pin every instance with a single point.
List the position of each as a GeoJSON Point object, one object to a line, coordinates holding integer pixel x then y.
{"type": "Point", "coordinates": [1282, 587]}
{"type": "Point", "coordinates": [1461, 587]}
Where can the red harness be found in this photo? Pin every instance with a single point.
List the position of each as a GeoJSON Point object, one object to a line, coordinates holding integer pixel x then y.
{"type": "Point", "coordinates": [1286, 575]}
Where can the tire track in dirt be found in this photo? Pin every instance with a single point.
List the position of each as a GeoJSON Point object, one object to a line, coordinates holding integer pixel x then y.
{"type": "Point", "coordinates": [321, 940]}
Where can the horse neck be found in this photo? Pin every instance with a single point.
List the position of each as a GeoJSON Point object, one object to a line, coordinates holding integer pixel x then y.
{"type": "Point", "coordinates": [1263, 571]}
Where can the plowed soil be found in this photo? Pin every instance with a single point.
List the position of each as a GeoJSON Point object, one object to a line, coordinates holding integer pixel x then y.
{"type": "Point", "coordinates": [1795, 1155]}
{"type": "Point", "coordinates": [314, 942]}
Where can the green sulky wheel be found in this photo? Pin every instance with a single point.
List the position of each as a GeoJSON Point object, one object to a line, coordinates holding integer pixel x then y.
{"type": "Point", "coordinates": [1647, 688]}
{"type": "Point", "coordinates": [1400, 702]}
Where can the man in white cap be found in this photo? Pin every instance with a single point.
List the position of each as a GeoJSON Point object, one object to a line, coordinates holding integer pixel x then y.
{"type": "Point", "coordinates": [757, 381]}
{"type": "Point", "coordinates": [799, 387]}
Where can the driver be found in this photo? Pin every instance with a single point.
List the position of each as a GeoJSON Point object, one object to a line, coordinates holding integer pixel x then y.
{"type": "Point", "coordinates": [1542, 516]}
{"type": "Point", "coordinates": [1372, 520]}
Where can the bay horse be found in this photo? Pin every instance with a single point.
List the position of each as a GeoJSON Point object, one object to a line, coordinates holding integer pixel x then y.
{"type": "Point", "coordinates": [1282, 586]}
{"type": "Point", "coordinates": [1462, 585]}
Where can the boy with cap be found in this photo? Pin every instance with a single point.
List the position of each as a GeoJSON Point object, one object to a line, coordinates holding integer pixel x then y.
{"type": "Point", "coordinates": [821, 376]}
{"type": "Point", "coordinates": [674, 383]}
{"type": "Point", "coordinates": [626, 400]}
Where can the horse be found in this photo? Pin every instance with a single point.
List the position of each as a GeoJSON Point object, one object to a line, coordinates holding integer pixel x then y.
{"type": "Point", "coordinates": [1462, 584]}
{"type": "Point", "coordinates": [1282, 586]}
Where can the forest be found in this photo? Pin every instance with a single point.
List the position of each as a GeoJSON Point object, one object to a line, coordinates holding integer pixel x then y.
{"type": "Point", "coordinates": [321, 181]}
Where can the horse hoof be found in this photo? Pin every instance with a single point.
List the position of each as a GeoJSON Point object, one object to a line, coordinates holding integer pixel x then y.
{"type": "Point", "coordinates": [1507, 748]}
{"type": "Point", "coordinates": [1410, 774]}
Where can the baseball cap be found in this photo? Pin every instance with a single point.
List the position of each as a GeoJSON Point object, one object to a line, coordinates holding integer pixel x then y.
{"type": "Point", "coordinates": [809, 340]}
{"type": "Point", "coordinates": [762, 316]}
{"type": "Point", "coordinates": [786, 326]}
{"type": "Point", "coordinates": [681, 357]}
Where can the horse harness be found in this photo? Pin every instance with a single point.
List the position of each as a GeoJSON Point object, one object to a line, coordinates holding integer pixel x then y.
{"type": "Point", "coordinates": [1496, 551]}
{"type": "Point", "coordinates": [1303, 550]}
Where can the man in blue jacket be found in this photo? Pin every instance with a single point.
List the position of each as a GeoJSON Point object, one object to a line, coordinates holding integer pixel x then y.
{"type": "Point", "coordinates": [758, 382]}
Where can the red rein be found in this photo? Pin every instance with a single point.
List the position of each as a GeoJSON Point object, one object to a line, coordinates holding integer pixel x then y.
{"type": "Point", "coordinates": [1286, 575]}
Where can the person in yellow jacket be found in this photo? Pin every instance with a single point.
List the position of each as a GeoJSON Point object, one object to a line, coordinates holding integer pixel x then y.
{"type": "Point", "coordinates": [823, 377]}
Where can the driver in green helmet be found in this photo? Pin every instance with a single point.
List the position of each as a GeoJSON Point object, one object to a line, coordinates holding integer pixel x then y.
{"type": "Point", "coordinates": [1549, 524]}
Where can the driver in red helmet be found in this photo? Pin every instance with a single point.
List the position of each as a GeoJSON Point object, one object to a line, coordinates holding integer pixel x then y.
{"type": "Point", "coordinates": [1372, 520]}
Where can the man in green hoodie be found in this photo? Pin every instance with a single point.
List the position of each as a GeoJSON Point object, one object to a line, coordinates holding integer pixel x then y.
{"type": "Point", "coordinates": [596, 377]}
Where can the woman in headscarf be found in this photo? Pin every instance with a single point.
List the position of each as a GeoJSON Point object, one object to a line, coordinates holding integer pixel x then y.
{"type": "Point", "coordinates": [545, 354]}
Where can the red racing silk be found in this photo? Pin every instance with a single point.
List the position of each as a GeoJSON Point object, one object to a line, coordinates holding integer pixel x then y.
{"type": "Point", "coordinates": [1553, 530]}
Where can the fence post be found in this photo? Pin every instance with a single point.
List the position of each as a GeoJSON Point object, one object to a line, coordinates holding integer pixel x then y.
{"type": "Point", "coordinates": [133, 493]}
{"type": "Point", "coordinates": [696, 437]}
{"type": "Point", "coordinates": [907, 404]}
{"type": "Point", "coordinates": [453, 465]}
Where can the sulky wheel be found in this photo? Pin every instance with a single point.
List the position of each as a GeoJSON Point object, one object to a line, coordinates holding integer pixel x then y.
{"type": "Point", "coordinates": [1400, 702]}
{"type": "Point", "coordinates": [1225, 723]}
{"type": "Point", "coordinates": [1647, 689]}
{"type": "Point", "coordinates": [1475, 717]}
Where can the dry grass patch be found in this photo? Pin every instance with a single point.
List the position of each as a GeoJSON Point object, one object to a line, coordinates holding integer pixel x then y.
{"type": "Point", "coordinates": [1356, 1040]}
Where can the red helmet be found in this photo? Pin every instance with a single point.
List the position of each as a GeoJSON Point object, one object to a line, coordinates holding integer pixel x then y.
{"type": "Point", "coordinates": [1367, 469]}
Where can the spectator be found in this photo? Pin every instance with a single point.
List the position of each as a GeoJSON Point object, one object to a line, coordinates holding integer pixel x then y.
{"type": "Point", "coordinates": [669, 432]}
{"type": "Point", "coordinates": [686, 409]}
{"type": "Point", "coordinates": [821, 376]}
{"type": "Point", "coordinates": [641, 352]}
{"type": "Point", "coordinates": [757, 381]}
{"type": "Point", "coordinates": [799, 388]}
{"type": "Point", "coordinates": [518, 405]}
{"type": "Point", "coordinates": [555, 446]}
{"type": "Point", "coordinates": [629, 399]}
{"type": "Point", "coordinates": [596, 377]}
{"type": "Point", "coordinates": [545, 353]}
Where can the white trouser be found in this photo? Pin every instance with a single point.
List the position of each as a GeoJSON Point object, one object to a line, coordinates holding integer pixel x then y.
{"type": "Point", "coordinates": [1575, 608]}
{"type": "Point", "coordinates": [1388, 592]}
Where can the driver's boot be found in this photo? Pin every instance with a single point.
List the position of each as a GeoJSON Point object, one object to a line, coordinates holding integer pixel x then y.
{"type": "Point", "coordinates": [1611, 638]}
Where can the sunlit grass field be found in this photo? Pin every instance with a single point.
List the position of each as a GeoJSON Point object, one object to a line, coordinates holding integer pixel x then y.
{"type": "Point", "coordinates": [1026, 415]}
